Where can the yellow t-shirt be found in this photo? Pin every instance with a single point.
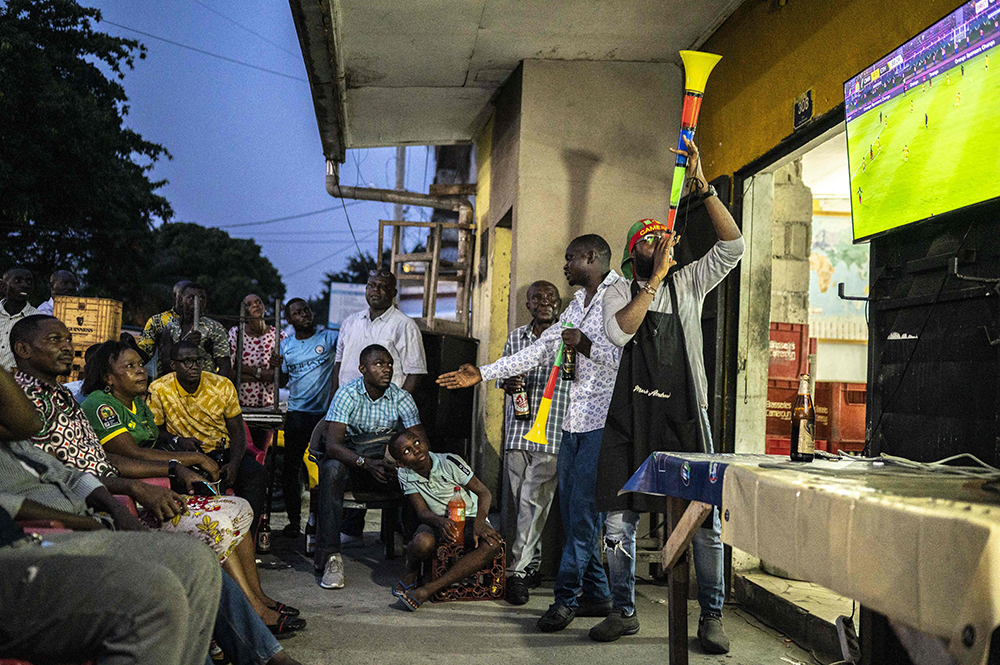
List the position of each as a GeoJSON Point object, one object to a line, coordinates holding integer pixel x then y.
{"type": "Point", "coordinates": [201, 414]}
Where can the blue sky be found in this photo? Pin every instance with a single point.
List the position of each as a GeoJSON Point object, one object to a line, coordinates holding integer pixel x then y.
{"type": "Point", "coordinates": [245, 143]}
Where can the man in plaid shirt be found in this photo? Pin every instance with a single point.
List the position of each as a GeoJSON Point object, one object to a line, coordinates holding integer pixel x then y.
{"type": "Point", "coordinates": [531, 468]}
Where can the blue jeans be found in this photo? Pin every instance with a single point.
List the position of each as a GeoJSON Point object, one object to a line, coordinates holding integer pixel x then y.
{"type": "Point", "coordinates": [580, 567]}
{"type": "Point", "coordinates": [619, 541]}
{"type": "Point", "coordinates": [239, 631]}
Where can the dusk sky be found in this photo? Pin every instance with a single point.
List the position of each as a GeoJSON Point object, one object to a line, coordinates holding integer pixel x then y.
{"type": "Point", "coordinates": [245, 143]}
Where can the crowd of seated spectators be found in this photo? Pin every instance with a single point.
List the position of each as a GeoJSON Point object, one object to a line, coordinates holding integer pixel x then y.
{"type": "Point", "coordinates": [147, 453]}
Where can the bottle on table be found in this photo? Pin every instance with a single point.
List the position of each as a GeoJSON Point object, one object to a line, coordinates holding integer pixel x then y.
{"type": "Point", "coordinates": [456, 513]}
{"type": "Point", "coordinates": [803, 445]}
{"type": "Point", "coordinates": [522, 407]}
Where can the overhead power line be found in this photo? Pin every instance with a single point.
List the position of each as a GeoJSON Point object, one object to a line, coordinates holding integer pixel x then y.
{"type": "Point", "coordinates": [282, 219]}
{"type": "Point", "coordinates": [208, 53]}
{"type": "Point", "coordinates": [252, 32]}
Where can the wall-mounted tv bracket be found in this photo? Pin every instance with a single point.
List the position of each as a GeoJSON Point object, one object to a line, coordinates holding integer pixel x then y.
{"type": "Point", "coordinates": [840, 294]}
{"type": "Point", "coordinates": [995, 282]}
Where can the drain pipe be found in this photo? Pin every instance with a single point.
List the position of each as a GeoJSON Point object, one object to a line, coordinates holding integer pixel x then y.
{"type": "Point", "coordinates": [334, 188]}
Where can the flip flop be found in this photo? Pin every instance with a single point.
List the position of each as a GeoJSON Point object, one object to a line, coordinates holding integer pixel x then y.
{"type": "Point", "coordinates": [286, 625]}
{"type": "Point", "coordinates": [409, 604]}
{"type": "Point", "coordinates": [286, 610]}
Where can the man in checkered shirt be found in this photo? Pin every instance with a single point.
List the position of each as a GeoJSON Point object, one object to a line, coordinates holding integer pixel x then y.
{"type": "Point", "coordinates": [363, 415]}
{"type": "Point", "coordinates": [531, 467]}
{"type": "Point", "coordinates": [581, 585]}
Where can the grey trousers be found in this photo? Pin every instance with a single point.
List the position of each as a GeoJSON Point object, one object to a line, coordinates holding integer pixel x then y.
{"type": "Point", "coordinates": [125, 598]}
{"type": "Point", "coordinates": [532, 477]}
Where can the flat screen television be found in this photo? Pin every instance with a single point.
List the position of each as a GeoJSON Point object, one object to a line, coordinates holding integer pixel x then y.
{"type": "Point", "coordinates": [923, 124]}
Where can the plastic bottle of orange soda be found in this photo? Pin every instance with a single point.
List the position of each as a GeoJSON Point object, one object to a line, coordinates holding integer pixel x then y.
{"type": "Point", "coordinates": [456, 513]}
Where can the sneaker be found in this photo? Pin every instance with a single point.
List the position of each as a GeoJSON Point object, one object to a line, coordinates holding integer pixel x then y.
{"type": "Point", "coordinates": [594, 608]}
{"type": "Point", "coordinates": [333, 573]}
{"type": "Point", "coordinates": [557, 617]}
{"type": "Point", "coordinates": [517, 590]}
{"type": "Point", "coordinates": [533, 579]}
{"type": "Point", "coordinates": [711, 634]}
{"type": "Point", "coordinates": [614, 626]}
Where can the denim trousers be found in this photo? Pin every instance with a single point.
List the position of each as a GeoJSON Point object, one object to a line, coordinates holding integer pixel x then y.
{"type": "Point", "coordinates": [580, 567]}
{"type": "Point", "coordinates": [619, 542]}
{"type": "Point", "coordinates": [240, 633]}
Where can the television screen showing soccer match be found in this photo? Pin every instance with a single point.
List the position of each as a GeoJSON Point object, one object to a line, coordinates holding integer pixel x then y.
{"type": "Point", "coordinates": [923, 124]}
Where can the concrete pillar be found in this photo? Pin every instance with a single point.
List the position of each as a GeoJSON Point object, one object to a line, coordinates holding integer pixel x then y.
{"type": "Point", "coordinates": [791, 241]}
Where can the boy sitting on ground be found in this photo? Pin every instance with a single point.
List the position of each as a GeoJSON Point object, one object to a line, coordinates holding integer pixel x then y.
{"type": "Point", "coordinates": [429, 481]}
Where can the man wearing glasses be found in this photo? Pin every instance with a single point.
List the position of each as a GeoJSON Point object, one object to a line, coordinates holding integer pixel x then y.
{"type": "Point", "coordinates": [660, 401]}
{"type": "Point", "coordinates": [201, 408]}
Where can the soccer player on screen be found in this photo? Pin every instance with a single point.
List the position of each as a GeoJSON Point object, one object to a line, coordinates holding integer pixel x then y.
{"type": "Point", "coordinates": [963, 71]}
{"type": "Point", "coordinates": [906, 153]}
{"type": "Point", "coordinates": [925, 121]}
{"type": "Point", "coordinates": [863, 168]}
{"type": "Point", "coordinates": [911, 106]}
{"type": "Point", "coordinates": [859, 194]}
{"type": "Point", "coordinates": [958, 98]}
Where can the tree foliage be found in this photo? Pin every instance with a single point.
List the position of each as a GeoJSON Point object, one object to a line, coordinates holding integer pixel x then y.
{"type": "Point", "coordinates": [75, 190]}
{"type": "Point", "coordinates": [228, 268]}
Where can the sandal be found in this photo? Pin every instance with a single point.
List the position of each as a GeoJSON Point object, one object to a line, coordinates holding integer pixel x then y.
{"type": "Point", "coordinates": [410, 604]}
{"type": "Point", "coordinates": [286, 610]}
{"type": "Point", "coordinates": [286, 625]}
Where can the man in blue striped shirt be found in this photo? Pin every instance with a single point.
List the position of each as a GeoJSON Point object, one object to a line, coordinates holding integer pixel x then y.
{"type": "Point", "coordinates": [363, 416]}
{"type": "Point", "coordinates": [531, 467]}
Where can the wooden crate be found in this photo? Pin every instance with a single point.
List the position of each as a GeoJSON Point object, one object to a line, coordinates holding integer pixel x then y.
{"type": "Point", "coordinates": [90, 321]}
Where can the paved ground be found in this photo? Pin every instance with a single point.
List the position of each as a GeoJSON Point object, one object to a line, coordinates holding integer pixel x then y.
{"type": "Point", "coordinates": [363, 623]}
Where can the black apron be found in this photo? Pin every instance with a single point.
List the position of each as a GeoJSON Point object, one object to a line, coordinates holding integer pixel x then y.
{"type": "Point", "coordinates": [653, 408]}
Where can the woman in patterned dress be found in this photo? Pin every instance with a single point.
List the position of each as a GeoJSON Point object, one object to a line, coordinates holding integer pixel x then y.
{"type": "Point", "coordinates": [115, 383]}
{"type": "Point", "coordinates": [259, 361]}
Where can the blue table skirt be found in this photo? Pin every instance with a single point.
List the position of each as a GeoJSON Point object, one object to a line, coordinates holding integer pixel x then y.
{"type": "Point", "coordinates": [691, 476]}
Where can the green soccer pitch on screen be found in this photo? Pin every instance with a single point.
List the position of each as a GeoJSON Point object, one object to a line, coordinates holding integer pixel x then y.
{"type": "Point", "coordinates": [923, 124]}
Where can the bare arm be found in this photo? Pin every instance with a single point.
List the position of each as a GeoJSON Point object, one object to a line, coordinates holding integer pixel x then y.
{"type": "Point", "coordinates": [428, 517]}
{"type": "Point", "coordinates": [411, 382]}
{"type": "Point", "coordinates": [136, 462]}
{"type": "Point", "coordinates": [631, 315]}
{"type": "Point", "coordinates": [335, 384]}
{"type": "Point", "coordinates": [31, 510]}
{"type": "Point", "coordinates": [481, 528]}
{"type": "Point", "coordinates": [725, 225]}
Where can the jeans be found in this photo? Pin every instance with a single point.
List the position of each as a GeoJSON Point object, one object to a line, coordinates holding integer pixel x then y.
{"type": "Point", "coordinates": [580, 567]}
{"type": "Point", "coordinates": [532, 477]}
{"type": "Point", "coordinates": [619, 538]}
{"type": "Point", "coordinates": [239, 631]}
{"type": "Point", "coordinates": [299, 427]}
{"type": "Point", "coordinates": [335, 478]}
{"type": "Point", "coordinates": [119, 598]}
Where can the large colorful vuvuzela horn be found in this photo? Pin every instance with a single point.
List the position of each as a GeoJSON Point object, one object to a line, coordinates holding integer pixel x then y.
{"type": "Point", "coordinates": [537, 432]}
{"type": "Point", "coordinates": [697, 67]}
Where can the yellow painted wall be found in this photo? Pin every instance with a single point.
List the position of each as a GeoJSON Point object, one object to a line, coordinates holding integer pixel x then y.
{"type": "Point", "coordinates": [490, 302]}
{"type": "Point", "coordinates": [772, 55]}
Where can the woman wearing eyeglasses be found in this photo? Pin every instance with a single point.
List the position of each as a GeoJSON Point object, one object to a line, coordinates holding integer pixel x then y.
{"type": "Point", "coordinates": [115, 383]}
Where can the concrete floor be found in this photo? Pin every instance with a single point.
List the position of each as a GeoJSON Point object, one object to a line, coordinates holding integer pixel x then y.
{"type": "Point", "coordinates": [364, 624]}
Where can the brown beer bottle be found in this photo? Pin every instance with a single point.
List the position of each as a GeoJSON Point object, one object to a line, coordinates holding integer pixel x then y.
{"type": "Point", "coordinates": [522, 407]}
{"type": "Point", "coordinates": [803, 424]}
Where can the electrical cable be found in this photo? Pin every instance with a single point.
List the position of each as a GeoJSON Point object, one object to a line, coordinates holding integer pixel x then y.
{"type": "Point", "coordinates": [240, 25]}
{"type": "Point", "coordinates": [208, 53]}
{"type": "Point", "coordinates": [279, 219]}
{"type": "Point", "coordinates": [361, 254]}
{"type": "Point", "coordinates": [327, 258]}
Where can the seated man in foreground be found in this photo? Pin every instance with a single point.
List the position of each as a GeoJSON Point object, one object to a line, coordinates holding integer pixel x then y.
{"type": "Point", "coordinates": [363, 416]}
{"type": "Point", "coordinates": [429, 480]}
{"type": "Point", "coordinates": [203, 413]}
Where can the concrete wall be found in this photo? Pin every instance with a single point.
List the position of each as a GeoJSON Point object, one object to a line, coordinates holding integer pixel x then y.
{"type": "Point", "coordinates": [593, 158]}
{"type": "Point", "coordinates": [772, 54]}
{"type": "Point", "coordinates": [791, 244]}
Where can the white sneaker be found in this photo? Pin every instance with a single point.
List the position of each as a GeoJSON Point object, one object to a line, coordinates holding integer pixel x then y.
{"type": "Point", "coordinates": [333, 574]}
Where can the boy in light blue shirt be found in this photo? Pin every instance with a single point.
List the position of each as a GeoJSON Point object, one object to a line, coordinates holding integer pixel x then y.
{"type": "Point", "coordinates": [429, 480]}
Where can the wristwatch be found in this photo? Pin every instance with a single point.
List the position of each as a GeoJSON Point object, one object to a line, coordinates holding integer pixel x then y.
{"type": "Point", "coordinates": [172, 469]}
{"type": "Point", "coordinates": [360, 462]}
{"type": "Point", "coordinates": [708, 193]}
{"type": "Point", "coordinates": [176, 439]}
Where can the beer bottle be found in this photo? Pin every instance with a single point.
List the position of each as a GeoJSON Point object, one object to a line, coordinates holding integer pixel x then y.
{"type": "Point", "coordinates": [264, 533]}
{"type": "Point", "coordinates": [522, 407]}
{"type": "Point", "coordinates": [803, 424]}
{"type": "Point", "coordinates": [311, 521]}
{"type": "Point", "coordinates": [456, 513]}
{"type": "Point", "coordinates": [569, 364]}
